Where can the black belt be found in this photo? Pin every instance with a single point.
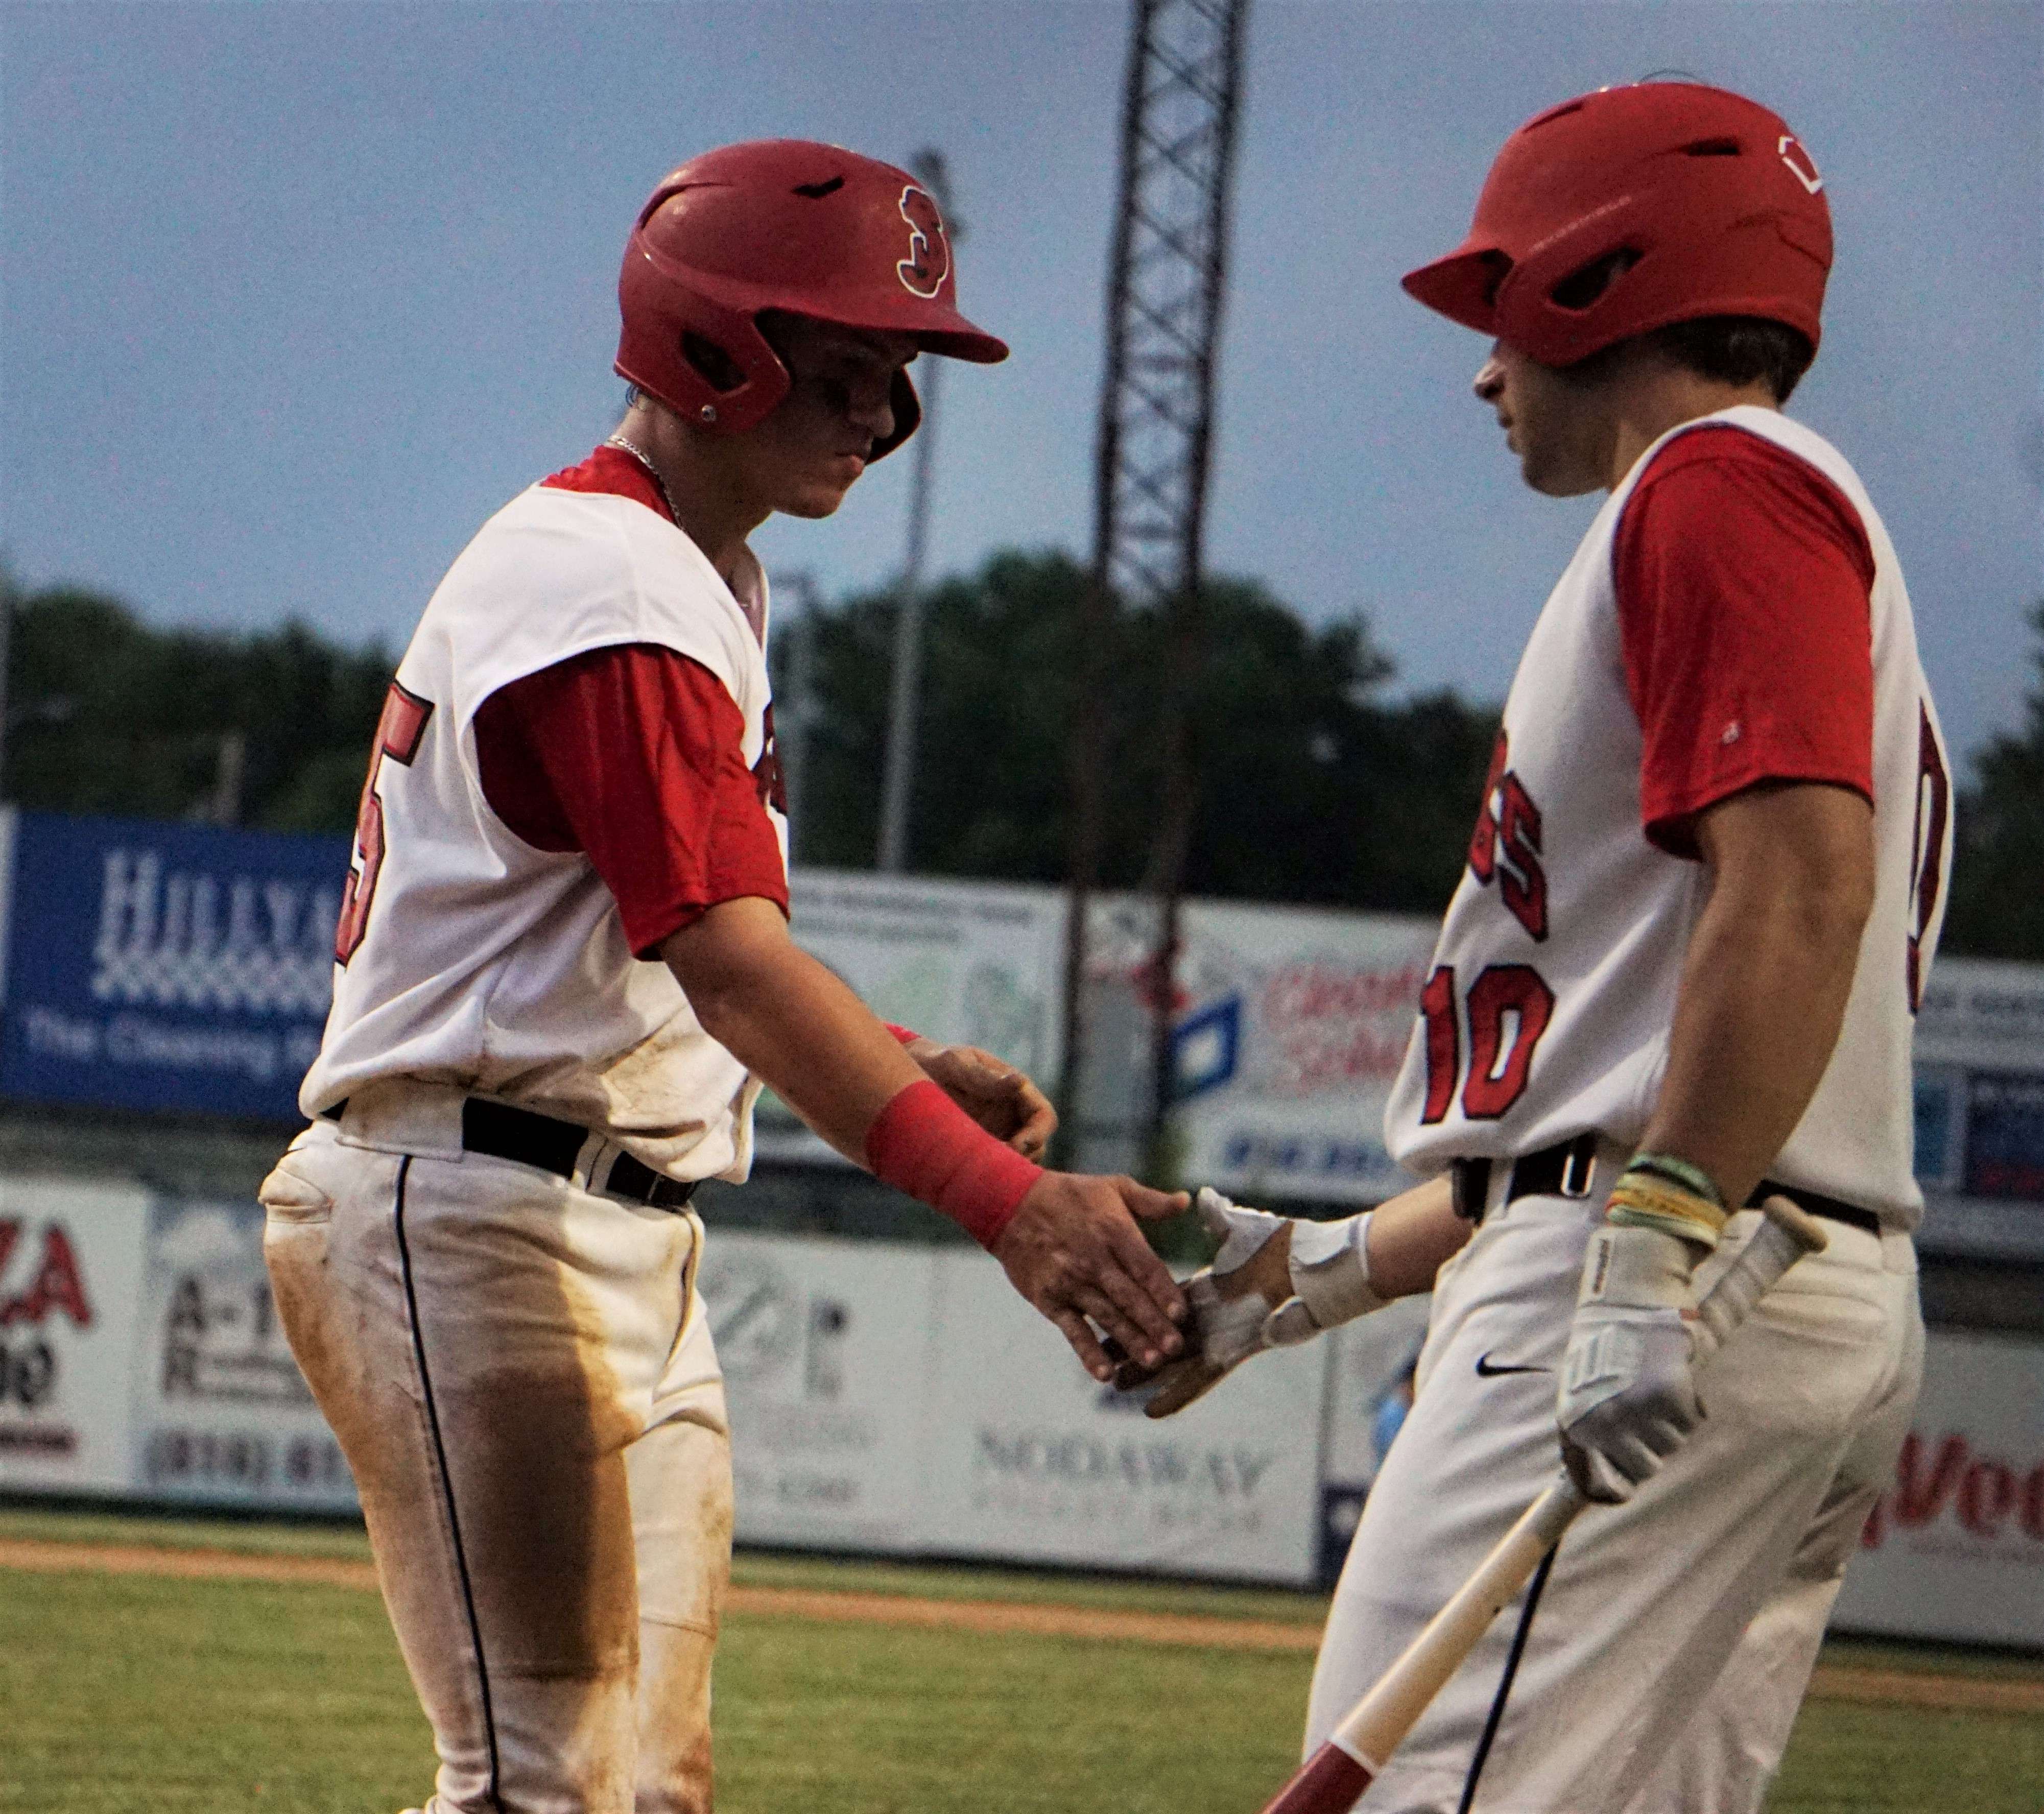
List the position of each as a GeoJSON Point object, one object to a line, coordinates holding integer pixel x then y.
{"type": "Point", "coordinates": [501, 1131]}
{"type": "Point", "coordinates": [1564, 1170]}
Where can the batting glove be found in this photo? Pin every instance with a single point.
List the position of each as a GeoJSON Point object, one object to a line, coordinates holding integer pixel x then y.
{"type": "Point", "coordinates": [1626, 1400]}
{"type": "Point", "coordinates": [1276, 1281]}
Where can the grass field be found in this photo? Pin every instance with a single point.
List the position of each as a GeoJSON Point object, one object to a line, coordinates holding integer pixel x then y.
{"type": "Point", "coordinates": [139, 1692]}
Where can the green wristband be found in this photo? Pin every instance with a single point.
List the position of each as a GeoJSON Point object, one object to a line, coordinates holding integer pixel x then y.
{"type": "Point", "coordinates": [1693, 1178]}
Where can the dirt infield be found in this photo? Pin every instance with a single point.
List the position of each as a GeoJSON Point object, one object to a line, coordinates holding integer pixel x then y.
{"type": "Point", "coordinates": [1872, 1687]}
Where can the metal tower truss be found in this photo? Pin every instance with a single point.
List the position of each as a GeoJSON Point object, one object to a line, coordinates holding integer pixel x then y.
{"type": "Point", "coordinates": [1166, 284]}
{"type": "Point", "coordinates": [1164, 295]}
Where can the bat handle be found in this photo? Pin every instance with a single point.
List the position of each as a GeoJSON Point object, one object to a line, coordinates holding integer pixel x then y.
{"type": "Point", "coordinates": [1342, 1768]}
{"type": "Point", "coordinates": [1784, 1236]}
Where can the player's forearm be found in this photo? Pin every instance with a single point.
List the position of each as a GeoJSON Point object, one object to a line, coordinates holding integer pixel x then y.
{"type": "Point", "coordinates": [1412, 1237]}
{"type": "Point", "coordinates": [1764, 984]}
{"type": "Point", "coordinates": [790, 1021]}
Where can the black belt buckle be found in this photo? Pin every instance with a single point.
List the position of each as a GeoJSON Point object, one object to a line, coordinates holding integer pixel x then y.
{"type": "Point", "coordinates": [1564, 1169]}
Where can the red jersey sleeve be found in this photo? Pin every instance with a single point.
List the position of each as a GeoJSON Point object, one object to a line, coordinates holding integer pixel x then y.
{"type": "Point", "coordinates": [633, 755]}
{"type": "Point", "coordinates": [1744, 577]}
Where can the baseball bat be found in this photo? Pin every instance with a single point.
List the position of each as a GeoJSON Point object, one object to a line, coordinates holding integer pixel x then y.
{"type": "Point", "coordinates": [1342, 1769]}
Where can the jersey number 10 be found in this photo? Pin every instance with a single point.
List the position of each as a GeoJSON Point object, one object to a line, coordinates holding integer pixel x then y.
{"type": "Point", "coordinates": [1508, 1007]}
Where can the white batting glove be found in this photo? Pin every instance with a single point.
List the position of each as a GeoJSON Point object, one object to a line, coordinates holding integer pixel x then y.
{"type": "Point", "coordinates": [1277, 1280]}
{"type": "Point", "coordinates": [1626, 1400]}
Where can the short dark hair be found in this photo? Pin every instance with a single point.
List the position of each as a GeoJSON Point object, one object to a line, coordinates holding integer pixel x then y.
{"type": "Point", "coordinates": [1733, 349]}
{"type": "Point", "coordinates": [1739, 349]}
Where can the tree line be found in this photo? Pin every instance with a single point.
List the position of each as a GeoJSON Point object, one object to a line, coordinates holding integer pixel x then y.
{"type": "Point", "coordinates": [106, 714]}
{"type": "Point", "coordinates": [1318, 783]}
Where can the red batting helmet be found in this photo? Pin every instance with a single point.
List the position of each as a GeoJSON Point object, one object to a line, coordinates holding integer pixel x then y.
{"type": "Point", "coordinates": [1718, 203]}
{"type": "Point", "coordinates": [783, 224]}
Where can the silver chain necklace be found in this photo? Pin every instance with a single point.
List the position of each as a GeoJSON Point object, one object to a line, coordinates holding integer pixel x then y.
{"type": "Point", "coordinates": [645, 459]}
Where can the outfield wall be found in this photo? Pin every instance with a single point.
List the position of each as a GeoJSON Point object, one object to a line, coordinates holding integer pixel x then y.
{"type": "Point", "coordinates": [181, 969]}
{"type": "Point", "coordinates": [898, 1400]}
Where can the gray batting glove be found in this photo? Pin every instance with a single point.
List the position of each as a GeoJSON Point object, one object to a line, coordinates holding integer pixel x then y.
{"type": "Point", "coordinates": [1627, 1400]}
{"type": "Point", "coordinates": [1277, 1280]}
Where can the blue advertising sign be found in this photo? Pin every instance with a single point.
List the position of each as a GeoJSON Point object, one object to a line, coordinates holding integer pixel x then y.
{"type": "Point", "coordinates": [2005, 1137]}
{"type": "Point", "coordinates": [1205, 1048]}
{"type": "Point", "coordinates": [167, 967]}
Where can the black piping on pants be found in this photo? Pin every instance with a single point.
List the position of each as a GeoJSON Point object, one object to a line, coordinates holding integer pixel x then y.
{"type": "Point", "coordinates": [447, 1488]}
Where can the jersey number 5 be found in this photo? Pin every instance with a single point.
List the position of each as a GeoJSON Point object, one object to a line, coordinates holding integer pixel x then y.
{"type": "Point", "coordinates": [1509, 1007]}
{"type": "Point", "coordinates": [399, 733]}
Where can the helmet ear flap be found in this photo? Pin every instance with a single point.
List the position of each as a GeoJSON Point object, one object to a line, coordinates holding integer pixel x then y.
{"type": "Point", "coordinates": [662, 315]}
{"type": "Point", "coordinates": [907, 411]}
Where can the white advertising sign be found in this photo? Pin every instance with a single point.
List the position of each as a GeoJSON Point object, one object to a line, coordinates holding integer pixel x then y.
{"type": "Point", "coordinates": [1029, 1459]}
{"type": "Point", "coordinates": [71, 1276]}
{"type": "Point", "coordinates": [223, 1416]}
{"type": "Point", "coordinates": [1955, 1547]}
{"type": "Point", "coordinates": [1290, 1024]}
{"type": "Point", "coordinates": [970, 963]}
{"type": "Point", "coordinates": [825, 1347]}
{"type": "Point", "coordinates": [1976, 1011]}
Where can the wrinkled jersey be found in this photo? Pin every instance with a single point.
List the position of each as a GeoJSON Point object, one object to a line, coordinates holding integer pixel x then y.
{"type": "Point", "coordinates": [466, 956]}
{"type": "Point", "coordinates": [1548, 1008]}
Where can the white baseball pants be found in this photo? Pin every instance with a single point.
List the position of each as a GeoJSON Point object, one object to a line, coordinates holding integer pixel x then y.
{"type": "Point", "coordinates": [1663, 1666]}
{"type": "Point", "coordinates": [524, 1384]}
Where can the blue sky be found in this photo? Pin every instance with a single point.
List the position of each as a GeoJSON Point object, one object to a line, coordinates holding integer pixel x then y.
{"type": "Point", "coordinates": [296, 293]}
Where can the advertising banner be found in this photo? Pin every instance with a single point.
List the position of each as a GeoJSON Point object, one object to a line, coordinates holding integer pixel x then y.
{"type": "Point", "coordinates": [165, 967]}
{"type": "Point", "coordinates": [1955, 1547]}
{"type": "Point", "coordinates": [970, 963]}
{"type": "Point", "coordinates": [1980, 1109]}
{"type": "Point", "coordinates": [222, 1414]}
{"type": "Point", "coordinates": [1977, 1011]}
{"type": "Point", "coordinates": [825, 1347]}
{"type": "Point", "coordinates": [1029, 1459]}
{"type": "Point", "coordinates": [1290, 1024]}
{"type": "Point", "coordinates": [70, 1280]}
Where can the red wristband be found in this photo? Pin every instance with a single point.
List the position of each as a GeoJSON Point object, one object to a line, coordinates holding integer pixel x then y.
{"type": "Point", "coordinates": [901, 1033]}
{"type": "Point", "coordinates": [924, 1143]}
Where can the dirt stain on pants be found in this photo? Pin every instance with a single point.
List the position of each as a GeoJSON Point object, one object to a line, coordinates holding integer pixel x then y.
{"type": "Point", "coordinates": [532, 1411]}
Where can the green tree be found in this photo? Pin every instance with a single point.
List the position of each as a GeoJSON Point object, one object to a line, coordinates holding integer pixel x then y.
{"type": "Point", "coordinates": [1313, 787]}
{"type": "Point", "coordinates": [108, 714]}
{"type": "Point", "coordinates": [1997, 905]}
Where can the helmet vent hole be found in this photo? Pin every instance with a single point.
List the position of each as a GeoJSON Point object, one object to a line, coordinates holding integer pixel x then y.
{"type": "Point", "coordinates": [719, 369]}
{"type": "Point", "coordinates": [817, 191]}
{"type": "Point", "coordinates": [1714, 147]}
{"type": "Point", "coordinates": [1583, 287]}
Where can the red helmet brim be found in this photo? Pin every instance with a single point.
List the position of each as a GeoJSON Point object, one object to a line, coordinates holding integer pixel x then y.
{"type": "Point", "coordinates": [1462, 286]}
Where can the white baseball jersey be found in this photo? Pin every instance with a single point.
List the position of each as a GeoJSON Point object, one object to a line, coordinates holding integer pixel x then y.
{"type": "Point", "coordinates": [1548, 1008]}
{"type": "Point", "coordinates": [467, 957]}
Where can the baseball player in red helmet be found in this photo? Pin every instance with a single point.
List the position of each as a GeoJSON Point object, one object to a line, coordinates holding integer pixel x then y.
{"type": "Point", "coordinates": [565, 972]}
{"type": "Point", "coordinates": [1679, 974]}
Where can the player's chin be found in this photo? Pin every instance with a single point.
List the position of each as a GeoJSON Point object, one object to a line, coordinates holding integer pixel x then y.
{"type": "Point", "coordinates": [1552, 477]}
{"type": "Point", "coordinates": [818, 498]}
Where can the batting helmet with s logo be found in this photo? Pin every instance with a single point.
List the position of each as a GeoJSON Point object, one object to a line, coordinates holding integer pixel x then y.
{"type": "Point", "coordinates": [788, 224]}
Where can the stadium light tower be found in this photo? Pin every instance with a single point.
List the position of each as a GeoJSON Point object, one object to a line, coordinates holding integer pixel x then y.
{"type": "Point", "coordinates": [795, 661]}
{"type": "Point", "coordinates": [1165, 283]}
